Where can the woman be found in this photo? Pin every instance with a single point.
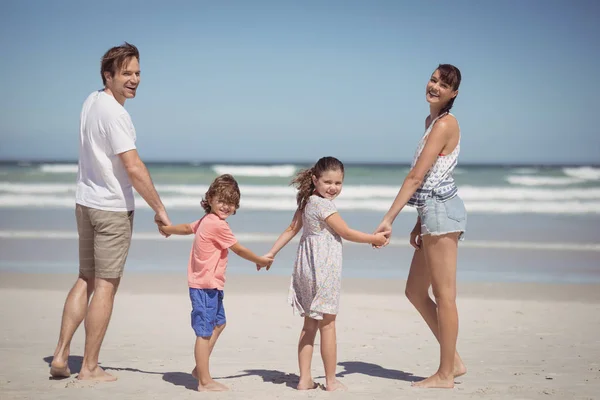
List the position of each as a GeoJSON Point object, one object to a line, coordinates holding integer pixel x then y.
{"type": "Point", "coordinates": [441, 223]}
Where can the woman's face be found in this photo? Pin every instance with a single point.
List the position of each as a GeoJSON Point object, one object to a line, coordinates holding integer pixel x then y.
{"type": "Point", "coordinates": [439, 92]}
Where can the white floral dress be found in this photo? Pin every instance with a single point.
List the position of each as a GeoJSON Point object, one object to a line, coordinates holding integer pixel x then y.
{"type": "Point", "coordinates": [317, 278]}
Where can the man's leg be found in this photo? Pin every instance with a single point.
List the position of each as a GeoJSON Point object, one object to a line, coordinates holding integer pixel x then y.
{"type": "Point", "coordinates": [74, 312]}
{"type": "Point", "coordinates": [96, 323]}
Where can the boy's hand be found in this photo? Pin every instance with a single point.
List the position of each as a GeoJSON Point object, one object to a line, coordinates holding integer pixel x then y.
{"type": "Point", "coordinates": [266, 261]}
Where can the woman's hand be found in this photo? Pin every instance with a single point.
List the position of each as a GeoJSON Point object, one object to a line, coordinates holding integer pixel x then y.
{"type": "Point", "coordinates": [384, 227]}
{"type": "Point", "coordinates": [415, 236]}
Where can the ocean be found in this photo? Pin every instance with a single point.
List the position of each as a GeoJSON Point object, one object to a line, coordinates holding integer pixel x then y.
{"type": "Point", "coordinates": [526, 223]}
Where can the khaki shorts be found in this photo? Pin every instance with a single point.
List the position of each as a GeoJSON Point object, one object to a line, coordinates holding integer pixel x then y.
{"type": "Point", "coordinates": [104, 240]}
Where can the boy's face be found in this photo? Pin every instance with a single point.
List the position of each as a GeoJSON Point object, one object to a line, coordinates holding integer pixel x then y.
{"type": "Point", "coordinates": [220, 208]}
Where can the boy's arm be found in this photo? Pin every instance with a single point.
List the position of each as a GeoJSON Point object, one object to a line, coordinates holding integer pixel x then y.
{"type": "Point", "coordinates": [249, 255]}
{"type": "Point", "coordinates": [181, 229]}
{"type": "Point", "coordinates": [287, 235]}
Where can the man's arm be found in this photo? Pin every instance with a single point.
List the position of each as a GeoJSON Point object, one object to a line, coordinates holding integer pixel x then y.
{"type": "Point", "coordinates": [142, 182]}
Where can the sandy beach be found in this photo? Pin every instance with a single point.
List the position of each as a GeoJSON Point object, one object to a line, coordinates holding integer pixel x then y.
{"type": "Point", "coordinates": [519, 341]}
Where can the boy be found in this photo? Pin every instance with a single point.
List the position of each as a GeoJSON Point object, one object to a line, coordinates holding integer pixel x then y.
{"type": "Point", "coordinates": [206, 270]}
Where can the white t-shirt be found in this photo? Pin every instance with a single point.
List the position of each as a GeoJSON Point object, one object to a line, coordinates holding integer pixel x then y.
{"type": "Point", "coordinates": [105, 131]}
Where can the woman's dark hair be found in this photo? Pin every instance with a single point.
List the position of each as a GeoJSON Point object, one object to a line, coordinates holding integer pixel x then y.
{"type": "Point", "coordinates": [450, 75]}
{"type": "Point", "coordinates": [303, 180]}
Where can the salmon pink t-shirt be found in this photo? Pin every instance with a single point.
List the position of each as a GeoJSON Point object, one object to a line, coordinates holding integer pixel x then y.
{"type": "Point", "coordinates": [208, 258]}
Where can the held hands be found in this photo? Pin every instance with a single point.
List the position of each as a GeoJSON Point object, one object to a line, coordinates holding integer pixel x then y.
{"type": "Point", "coordinates": [266, 261]}
{"type": "Point", "coordinates": [161, 219]}
{"type": "Point", "coordinates": [381, 239]}
{"type": "Point", "coordinates": [384, 228]}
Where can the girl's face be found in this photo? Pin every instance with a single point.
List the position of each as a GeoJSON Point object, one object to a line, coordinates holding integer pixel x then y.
{"type": "Point", "coordinates": [439, 92]}
{"type": "Point", "coordinates": [220, 208]}
{"type": "Point", "coordinates": [329, 184]}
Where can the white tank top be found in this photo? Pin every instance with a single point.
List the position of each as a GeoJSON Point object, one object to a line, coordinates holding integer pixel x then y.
{"type": "Point", "coordinates": [438, 182]}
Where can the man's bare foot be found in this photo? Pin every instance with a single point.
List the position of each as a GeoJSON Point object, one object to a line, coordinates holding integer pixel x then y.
{"type": "Point", "coordinates": [212, 386]}
{"type": "Point", "coordinates": [435, 381]}
{"type": "Point", "coordinates": [335, 385]}
{"type": "Point", "coordinates": [59, 369]}
{"type": "Point", "coordinates": [307, 384]}
{"type": "Point", "coordinates": [96, 374]}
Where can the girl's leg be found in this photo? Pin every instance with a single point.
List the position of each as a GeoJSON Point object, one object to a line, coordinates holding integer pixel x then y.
{"type": "Point", "coordinates": [329, 351]}
{"type": "Point", "coordinates": [417, 291]}
{"type": "Point", "coordinates": [441, 254]}
{"type": "Point", "coordinates": [305, 352]}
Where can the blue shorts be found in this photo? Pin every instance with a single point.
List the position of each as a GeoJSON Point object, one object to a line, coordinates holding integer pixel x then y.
{"type": "Point", "coordinates": [207, 310]}
{"type": "Point", "coordinates": [442, 217]}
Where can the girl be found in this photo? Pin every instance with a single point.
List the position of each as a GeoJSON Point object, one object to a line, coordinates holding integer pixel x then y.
{"type": "Point", "coordinates": [441, 222]}
{"type": "Point", "coordinates": [316, 281]}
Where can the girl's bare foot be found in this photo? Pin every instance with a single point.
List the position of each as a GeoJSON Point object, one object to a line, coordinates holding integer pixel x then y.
{"type": "Point", "coordinates": [307, 384]}
{"type": "Point", "coordinates": [335, 385]}
{"type": "Point", "coordinates": [195, 374]}
{"type": "Point", "coordinates": [96, 374]}
{"type": "Point", "coordinates": [212, 386]}
{"type": "Point", "coordinates": [436, 381]}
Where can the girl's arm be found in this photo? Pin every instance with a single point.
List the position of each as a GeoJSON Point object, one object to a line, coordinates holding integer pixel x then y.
{"type": "Point", "coordinates": [249, 255]}
{"type": "Point", "coordinates": [181, 229]}
{"type": "Point", "coordinates": [340, 227]}
{"type": "Point", "coordinates": [288, 234]}
{"type": "Point", "coordinates": [438, 137]}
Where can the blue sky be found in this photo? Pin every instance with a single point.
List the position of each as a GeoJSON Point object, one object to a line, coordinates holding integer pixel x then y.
{"type": "Point", "coordinates": [295, 80]}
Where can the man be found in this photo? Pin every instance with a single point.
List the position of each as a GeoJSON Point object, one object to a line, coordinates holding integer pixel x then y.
{"type": "Point", "coordinates": [109, 166]}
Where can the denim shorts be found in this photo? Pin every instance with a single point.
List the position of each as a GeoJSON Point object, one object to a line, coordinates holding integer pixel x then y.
{"type": "Point", "coordinates": [207, 310]}
{"type": "Point", "coordinates": [442, 217]}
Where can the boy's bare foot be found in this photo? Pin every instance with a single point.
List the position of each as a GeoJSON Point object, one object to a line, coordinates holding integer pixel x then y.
{"type": "Point", "coordinates": [212, 386]}
{"type": "Point", "coordinates": [335, 385]}
{"type": "Point", "coordinates": [307, 384]}
{"type": "Point", "coordinates": [96, 374]}
{"type": "Point", "coordinates": [59, 369]}
{"type": "Point", "coordinates": [435, 381]}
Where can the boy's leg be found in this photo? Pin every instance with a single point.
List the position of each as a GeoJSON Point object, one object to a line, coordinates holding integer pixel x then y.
{"type": "Point", "coordinates": [207, 310]}
{"type": "Point", "coordinates": [305, 353]}
{"type": "Point", "coordinates": [329, 352]}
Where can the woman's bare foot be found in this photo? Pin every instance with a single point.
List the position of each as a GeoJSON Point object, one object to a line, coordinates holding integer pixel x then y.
{"type": "Point", "coordinates": [212, 386]}
{"type": "Point", "coordinates": [59, 369]}
{"type": "Point", "coordinates": [195, 373]}
{"type": "Point", "coordinates": [96, 374]}
{"type": "Point", "coordinates": [459, 369]}
{"type": "Point", "coordinates": [335, 385]}
{"type": "Point", "coordinates": [307, 384]}
{"type": "Point", "coordinates": [436, 381]}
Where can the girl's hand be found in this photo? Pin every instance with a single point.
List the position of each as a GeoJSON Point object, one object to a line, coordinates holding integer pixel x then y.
{"type": "Point", "coordinates": [415, 237]}
{"type": "Point", "coordinates": [381, 239]}
{"type": "Point", "coordinates": [383, 227]}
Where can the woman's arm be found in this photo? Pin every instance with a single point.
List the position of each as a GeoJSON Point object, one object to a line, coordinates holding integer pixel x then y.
{"type": "Point", "coordinates": [436, 141]}
{"type": "Point", "coordinates": [288, 234]}
{"type": "Point", "coordinates": [340, 227]}
{"type": "Point", "coordinates": [181, 229]}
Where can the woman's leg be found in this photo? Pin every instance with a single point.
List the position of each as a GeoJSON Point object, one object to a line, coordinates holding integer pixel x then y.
{"type": "Point", "coordinates": [417, 292]}
{"type": "Point", "coordinates": [441, 254]}
{"type": "Point", "coordinates": [305, 352]}
{"type": "Point", "coordinates": [329, 351]}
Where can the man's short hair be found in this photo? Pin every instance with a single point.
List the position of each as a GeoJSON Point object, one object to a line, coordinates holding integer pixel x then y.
{"type": "Point", "coordinates": [113, 59]}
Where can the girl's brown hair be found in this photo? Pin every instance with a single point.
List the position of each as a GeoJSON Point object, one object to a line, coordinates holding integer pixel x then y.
{"type": "Point", "coordinates": [224, 188]}
{"type": "Point", "coordinates": [303, 180]}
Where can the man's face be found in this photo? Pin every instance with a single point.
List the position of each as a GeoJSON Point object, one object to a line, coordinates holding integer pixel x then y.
{"type": "Point", "coordinates": [125, 81]}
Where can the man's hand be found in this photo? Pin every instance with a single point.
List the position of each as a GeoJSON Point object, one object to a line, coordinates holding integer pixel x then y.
{"type": "Point", "coordinates": [162, 219]}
